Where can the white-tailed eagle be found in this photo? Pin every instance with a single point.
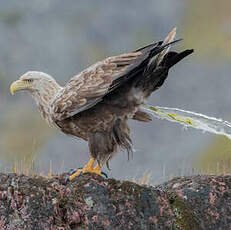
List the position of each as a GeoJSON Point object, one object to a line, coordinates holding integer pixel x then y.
{"type": "Point", "coordinates": [96, 104]}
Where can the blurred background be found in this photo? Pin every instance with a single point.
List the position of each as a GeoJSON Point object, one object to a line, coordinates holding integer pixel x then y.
{"type": "Point", "coordinates": [63, 37]}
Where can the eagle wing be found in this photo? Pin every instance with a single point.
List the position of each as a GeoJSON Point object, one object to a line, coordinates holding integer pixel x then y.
{"type": "Point", "coordinates": [88, 87]}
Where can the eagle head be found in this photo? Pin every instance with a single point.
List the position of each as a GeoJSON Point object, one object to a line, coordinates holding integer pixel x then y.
{"type": "Point", "coordinates": [32, 81]}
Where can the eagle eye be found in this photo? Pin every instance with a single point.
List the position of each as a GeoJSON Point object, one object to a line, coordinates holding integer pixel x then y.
{"type": "Point", "coordinates": [29, 80]}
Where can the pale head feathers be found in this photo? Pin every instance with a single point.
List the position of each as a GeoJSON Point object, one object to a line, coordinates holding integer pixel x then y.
{"type": "Point", "coordinates": [43, 88]}
{"type": "Point", "coordinates": [39, 80]}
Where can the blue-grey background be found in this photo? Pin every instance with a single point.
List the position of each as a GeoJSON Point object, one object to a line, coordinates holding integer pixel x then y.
{"type": "Point", "coordinates": [63, 37]}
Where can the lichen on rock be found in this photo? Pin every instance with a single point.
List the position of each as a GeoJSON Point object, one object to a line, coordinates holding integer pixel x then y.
{"type": "Point", "coordinates": [93, 202]}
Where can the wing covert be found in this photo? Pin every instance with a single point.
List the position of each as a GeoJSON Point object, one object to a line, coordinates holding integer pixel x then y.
{"type": "Point", "coordinates": [88, 87]}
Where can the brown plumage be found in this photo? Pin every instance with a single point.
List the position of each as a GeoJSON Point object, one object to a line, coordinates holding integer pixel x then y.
{"type": "Point", "coordinates": [96, 104]}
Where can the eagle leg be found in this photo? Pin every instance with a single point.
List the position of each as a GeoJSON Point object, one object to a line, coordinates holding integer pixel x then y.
{"type": "Point", "coordinates": [88, 168]}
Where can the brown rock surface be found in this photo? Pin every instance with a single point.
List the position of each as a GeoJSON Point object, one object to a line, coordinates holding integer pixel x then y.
{"type": "Point", "coordinates": [92, 202]}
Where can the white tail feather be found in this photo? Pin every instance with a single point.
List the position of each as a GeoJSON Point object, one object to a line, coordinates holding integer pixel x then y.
{"type": "Point", "coordinates": [167, 40]}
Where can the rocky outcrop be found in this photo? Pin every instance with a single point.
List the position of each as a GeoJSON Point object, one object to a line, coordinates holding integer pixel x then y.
{"type": "Point", "coordinates": [93, 202]}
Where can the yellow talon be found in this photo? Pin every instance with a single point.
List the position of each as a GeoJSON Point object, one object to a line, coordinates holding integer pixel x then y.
{"type": "Point", "coordinates": [88, 168]}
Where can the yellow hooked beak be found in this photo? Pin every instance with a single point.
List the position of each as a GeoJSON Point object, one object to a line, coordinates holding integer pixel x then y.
{"type": "Point", "coordinates": [18, 85]}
